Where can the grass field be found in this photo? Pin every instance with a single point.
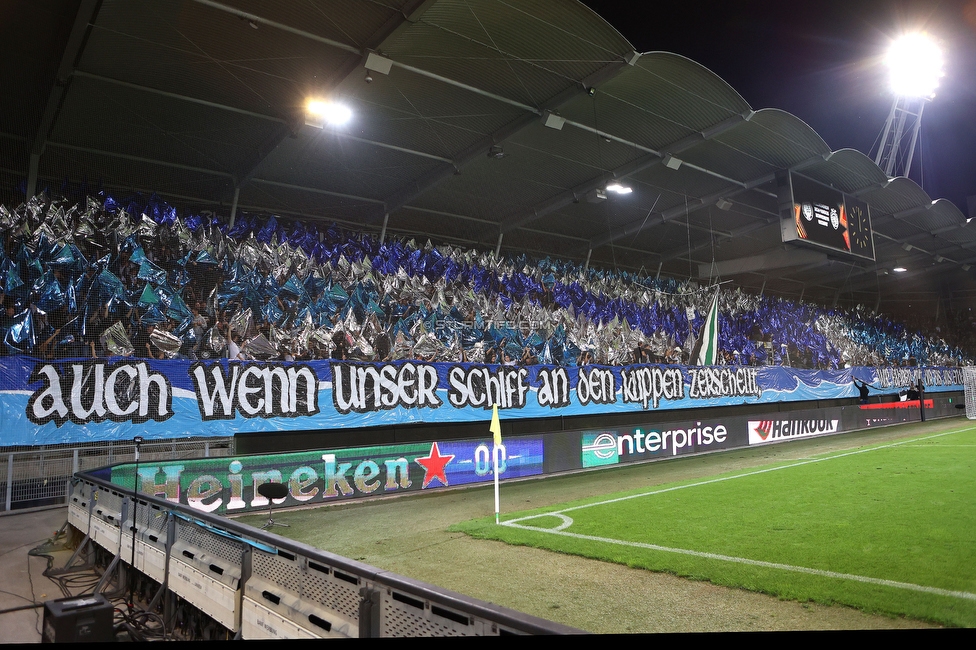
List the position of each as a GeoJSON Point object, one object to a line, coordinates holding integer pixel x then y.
{"type": "Point", "coordinates": [419, 536]}
{"type": "Point", "coordinates": [886, 528]}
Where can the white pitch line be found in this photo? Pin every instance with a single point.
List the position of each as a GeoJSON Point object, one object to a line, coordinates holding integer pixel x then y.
{"type": "Point", "coordinates": [567, 521]}
{"type": "Point", "coordinates": [729, 478]}
{"type": "Point", "coordinates": [769, 565]}
{"type": "Point", "coordinates": [944, 446]}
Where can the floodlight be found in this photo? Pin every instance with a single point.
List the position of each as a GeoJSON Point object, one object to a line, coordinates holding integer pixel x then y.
{"type": "Point", "coordinates": [915, 62]}
{"type": "Point", "coordinates": [319, 112]}
{"type": "Point", "coordinates": [618, 188]}
{"type": "Point", "coordinates": [899, 269]}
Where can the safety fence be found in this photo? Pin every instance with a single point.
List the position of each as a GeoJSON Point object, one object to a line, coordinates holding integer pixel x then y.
{"type": "Point", "coordinates": [39, 476]}
{"type": "Point", "coordinates": [258, 585]}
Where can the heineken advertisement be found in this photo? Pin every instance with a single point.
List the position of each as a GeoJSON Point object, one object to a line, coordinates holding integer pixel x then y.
{"type": "Point", "coordinates": [43, 402]}
{"type": "Point", "coordinates": [230, 485]}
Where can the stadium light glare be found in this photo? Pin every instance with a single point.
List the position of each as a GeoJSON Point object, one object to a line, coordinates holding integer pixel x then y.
{"type": "Point", "coordinates": [319, 112]}
{"type": "Point", "coordinates": [618, 188]}
{"type": "Point", "coordinates": [899, 269]}
{"type": "Point", "coordinates": [915, 64]}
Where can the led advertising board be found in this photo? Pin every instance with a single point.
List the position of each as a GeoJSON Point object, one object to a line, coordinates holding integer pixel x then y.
{"type": "Point", "coordinates": [827, 218]}
{"type": "Point", "coordinates": [230, 485]}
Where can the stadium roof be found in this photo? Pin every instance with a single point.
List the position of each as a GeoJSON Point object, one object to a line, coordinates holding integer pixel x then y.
{"type": "Point", "coordinates": [475, 121]}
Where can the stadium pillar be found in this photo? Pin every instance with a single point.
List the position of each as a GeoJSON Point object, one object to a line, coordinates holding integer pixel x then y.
{"type": "Point", "coordinates": [35, 159]}
{"type": "Point", "coordinates": [386, 220]}
{"type": "Point", "coordinates": [10, 482]}
{"type": "Point", "coordinates": [233, 205]}
{"type": "Point", "coordinates": [498, 248]}
{"type": "Point", "coordinates": [587, 265]}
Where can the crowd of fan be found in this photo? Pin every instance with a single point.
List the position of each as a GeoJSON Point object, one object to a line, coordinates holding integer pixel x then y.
{"type": "Point", "coordinates": [106, 279]}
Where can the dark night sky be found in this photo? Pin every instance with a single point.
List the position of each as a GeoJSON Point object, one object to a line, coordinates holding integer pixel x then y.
{"type": "Point", "coordinates": [821, 61]}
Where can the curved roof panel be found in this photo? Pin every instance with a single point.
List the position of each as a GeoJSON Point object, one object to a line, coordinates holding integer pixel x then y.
{"type": "Point", "coordinates": [848, 170]}
{"type": "Point", "coordinates": [480, 121]}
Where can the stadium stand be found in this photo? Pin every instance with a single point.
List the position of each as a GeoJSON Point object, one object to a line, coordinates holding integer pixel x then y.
{"type": "Point", "coordinates": [463, 222]}
{"type": "Point", "coordinates": [101, 279]}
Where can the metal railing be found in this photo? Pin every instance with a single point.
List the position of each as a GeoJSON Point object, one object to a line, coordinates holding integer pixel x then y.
{"type": "Point", "coordinates": [38, 476]}
{"type": "Point", "coordinates": [258, 585]}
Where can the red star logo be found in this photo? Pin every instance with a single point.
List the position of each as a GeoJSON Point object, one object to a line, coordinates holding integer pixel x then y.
{"type": "Point", "coordinates": [434, 465]}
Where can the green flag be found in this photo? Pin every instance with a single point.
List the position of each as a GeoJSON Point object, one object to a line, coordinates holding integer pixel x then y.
{"type": "Point", "coordinates": [708, 339]}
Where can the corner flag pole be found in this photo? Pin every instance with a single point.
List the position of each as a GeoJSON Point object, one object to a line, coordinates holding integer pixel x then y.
{"type": "Point", "coordinates": [496, 431]}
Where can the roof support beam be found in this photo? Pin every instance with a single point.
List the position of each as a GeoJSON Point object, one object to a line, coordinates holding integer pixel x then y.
{"type": "Point", "coordinates": [411, 12]}
{"type": "Point", "coordinates": [697, 204]}
{"type": "Point", "coordinates": [871, 271]}
{"type": "Point", "coordinates": [315, 190]}
{"type": "Point", "coordinates": [933, 233]}
{"type": "Point", "coordinates": [386, 220]}
{"type": "Point", "coordinates": [152, 161]}
{"type": "Point", "coordinates": [681, 145]}
{"type": "Point", "coordinates": [244, 15]}
{"type": "Point", "coordinates": [32, 166]}
{"type": "Point", "coordinates": [185, 98]}
{"type": "Point", "coordinates": [87, 11]}
{"type": "Point", "coordinates": [246, 171]}
{"type": "Point", "coordinates": [418, 187]}
{"type": "Point", "coordinates": [393, 147]}
{"type": "Point", "coordinates": [898, 216]}
{"type": "Point", "coordinates": [738, 232]}
{"type": "Point", "coordinates": [651, 158]}
{"type": "Point", "coordinates": [212, 172]}
{"type": "Point", "coordinates": [693, 206]}
{"type": "Point", "coordinates": [233, 206]}
{"type": "Point", "coordinates": [241, 111]}
{"type": "Point", "coordinates": [777, 259]}
{"type": "Point", "coordinates": [478, 220]}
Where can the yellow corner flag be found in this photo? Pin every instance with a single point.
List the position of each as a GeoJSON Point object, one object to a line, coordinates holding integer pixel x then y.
{"type": "Point", "coordinates": [496, 426]}
{"type": "Point", "coordinates": [496, 432]}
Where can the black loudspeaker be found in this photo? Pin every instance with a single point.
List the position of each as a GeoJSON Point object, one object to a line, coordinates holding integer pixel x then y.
{"type": "Point", "coordinates": [80, 619]}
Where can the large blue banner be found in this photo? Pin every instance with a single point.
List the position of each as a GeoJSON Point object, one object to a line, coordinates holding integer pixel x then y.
{"type": "Point", "coordinates": [83, 400]}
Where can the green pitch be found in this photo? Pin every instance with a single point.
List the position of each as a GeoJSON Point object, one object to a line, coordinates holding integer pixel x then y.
{"type": "Point", "coordinates": [888, 528]}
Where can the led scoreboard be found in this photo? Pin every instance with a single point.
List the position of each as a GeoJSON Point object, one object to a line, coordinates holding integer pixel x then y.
{"type": "Point", "coordinates": [826, 218]}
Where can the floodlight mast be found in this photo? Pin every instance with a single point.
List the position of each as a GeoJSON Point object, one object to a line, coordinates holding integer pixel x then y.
{"type": "Point", "coordinates": [915, 63]}
{"type": "Point", "coordinates": [894, 155]}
